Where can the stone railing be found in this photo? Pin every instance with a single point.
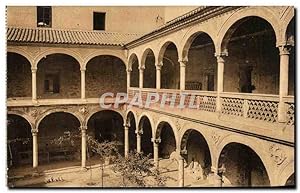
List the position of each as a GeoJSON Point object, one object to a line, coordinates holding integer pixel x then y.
{"type": "Point", "coordinates": [290, 109]}
{"type": "Point", "coordinates": [251, 106]}
{"type": "Point", "coordinates": [205, 100]}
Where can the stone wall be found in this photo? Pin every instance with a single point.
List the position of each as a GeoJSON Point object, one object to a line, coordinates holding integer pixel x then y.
{"type": "Point", "coordinates": [68, 70]}
{"type": "Point", "coordinates": [105, 74]}
{"type": "Point", "coordinates": [118, 19]}
{"type": "Point", "coordinates": [18, 76]}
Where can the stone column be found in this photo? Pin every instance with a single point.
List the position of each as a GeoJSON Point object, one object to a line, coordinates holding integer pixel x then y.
{"type": "Point", "coordinates": [183, 64]}
{"type": "Point", "coordinates": [158, 75]}
{"type": "Point", "coordinates": [220, 79]}
{"type": "Point", "coordinates": [33, 78]}
{"type": "Point", "coordinates": [128, 77]}
{"type": "Point", "coordinates": [141, 78]}
{"type": "Point", "coordinates": [155, 151]}
{"type": "Point", "coordinates": [283, 81]}
{"type": "Point", "coordinates": [35, 151]}
{"type": "Point", "coordinates": [82, 83]}
{"type": "Point", "coordinates": [180, 171]}
{"type": "Point", "coordinates": [83, 146]}
{"type": "Point", "coordinates": [138, 140]}
{"type": "Point", "coordinates": [126, 139]}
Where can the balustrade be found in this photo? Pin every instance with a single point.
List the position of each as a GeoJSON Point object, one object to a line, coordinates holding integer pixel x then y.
{"type": "Point", "coordinates": [251, 106]}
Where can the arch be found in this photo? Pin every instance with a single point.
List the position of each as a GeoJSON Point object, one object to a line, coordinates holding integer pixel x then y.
{"type": "Point", "coordinates": [145, 131]}
{"type": "Point", "coordinates": [290, 31]}
{"type": "Point", "coordinates": [162, 49]}
{"type": "Point", "coordinates": [21, 114]}
{"type": "Point", "coordinates": [285, 173]}
{"type": "Point", "coordinates": [107, 125]}
{"type": "Point", "coordinates": [57, 110]}
{"type": "Point", "coordinates": [288, 16]}
{"type": "Point", "coordinates": [201, 71]}
{"type": "Point", "coordinates": [159, 126]}
{"type": "Point", "coordinates": [22, 117]}
{"type": "Point", "coordinates": [144, 56]}
{"type": "Point", "coordinates": [103, 53]}
{"type": "Point", "coordinates": [19, 75]}
{"type": "Point", "coordinates": [131, 60]}
{"type": "Point", "coordinates": [262, 12]}
{"type": "Point", "coordinates": [255, 146]}
{"type": "Point", "coordinates": [126, 120]}
{"type": "Point", "coordinates": [190, 36]}
{"type": "Point", "coordinates": [47, 52]}
{"type": "Point", "coordinates": [142, 118]}
{"type": "Point", "coordinates": [100, 110]}
{"type": "Point", "coordinates": [131, 121]}
{"type": "Point", "coordinates": [21, 52]}
{"type": "Point", "coordinates": [18, 140]}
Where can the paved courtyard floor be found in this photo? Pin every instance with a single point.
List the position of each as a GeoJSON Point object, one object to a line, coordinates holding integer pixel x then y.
{"type": "Point", "coordinates": [70, 174]}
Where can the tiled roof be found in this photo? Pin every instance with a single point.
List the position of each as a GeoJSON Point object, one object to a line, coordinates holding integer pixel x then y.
{"type": "Point", "coordinates": [64, 36]}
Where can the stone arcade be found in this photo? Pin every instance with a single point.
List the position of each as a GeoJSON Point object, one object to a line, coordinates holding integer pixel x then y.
{"type": "Point", "coordinates": [239, 62]}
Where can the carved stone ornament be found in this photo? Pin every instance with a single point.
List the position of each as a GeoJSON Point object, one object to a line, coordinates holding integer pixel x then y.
{"type": "Point", "coordinates": [215, 137]}
{"type": "Point", "coordinates": [83, 110]}
{"type": "Point", "coordinates": [34, 113]}
{"type": "Point", "coordinates": [178, 124]}
{"type": "Point", "coordinates": [277, 154]}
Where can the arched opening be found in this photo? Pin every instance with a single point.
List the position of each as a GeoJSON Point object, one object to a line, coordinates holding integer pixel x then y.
{"type": "Point", "coordinates": [291, 180]}
{"type": "Point", "coordinates": [19, 141]}
{"type": "Point", "coordinates": [150, 69]}
{"type": "Point", "coordinates": [198, 156]}
{"type": "Point", "coordinates": [252, 65]}
{"type": "Point", "coordinates": [201, 71]}
{"type": "Point", "coordinates": [18, 76]}
{"type": "Point", "coordinates": [132, 129]}
{"type": "Point", "coordinates": [105, 74]}
{"type": "Point", "coordinates": [107, 125]}
{"type": "Point", "coordinates": [58, 76]}
{"type": "Point", "coordinates": [243, 167]}
{"type": "Point", "coordinates": [134, 75]}
{"type": "Point", "coordinates": [170, 77]}
{"type": "Point", "coordinates": [290, 33]}
{"type": "Point", "coordinates": [146, 143]}
{"type": "Point", "coordinates": [168, 142]}
{"type": "Point", "coordinates": [59, 138]}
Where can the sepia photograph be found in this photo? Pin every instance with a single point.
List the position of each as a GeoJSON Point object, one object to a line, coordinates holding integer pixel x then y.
{"type": "Point", "coordinates": [150, 96]}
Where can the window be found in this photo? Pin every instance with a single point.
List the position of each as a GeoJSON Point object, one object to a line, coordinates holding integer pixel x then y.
{"type": "Point", "coordinates": [99, 21]}
{"type": "Point", "coordinates": [51, 83]}
{"type": "Point", "coordinates": [44, 16]}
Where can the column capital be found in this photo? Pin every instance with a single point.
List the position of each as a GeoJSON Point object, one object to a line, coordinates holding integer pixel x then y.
{"type": "Point", "coordinates": [220, 56]}
{"type": "Point", "coordinates": [82, 69]}
{"type": "Point", "coordinates": [34, 131]}
{"type": "Point", "coordinates": [126, 126]}
{"type": "Point", "coordinates": [284, 49]}
{"type": "Point", "coordinates": [83, 127]}
{"type": "Point", "coordinates": [156, 140]}
{"type": "Point", "coordinates": [139, 132]}
{"type": "Point", "coordinates": [141, 68]}
{"type": "Point", "coordinates": [183, 62]}
{"type": "Point", "coordinates": [33, 69]}
{"type": "Point", "coordinates": [159, 65]}
{"type": "Point", "coordinates": [129, 70]}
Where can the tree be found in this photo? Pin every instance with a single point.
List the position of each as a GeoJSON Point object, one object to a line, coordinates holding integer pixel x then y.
{"type": "Point", "coordinates": [138, 170]}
